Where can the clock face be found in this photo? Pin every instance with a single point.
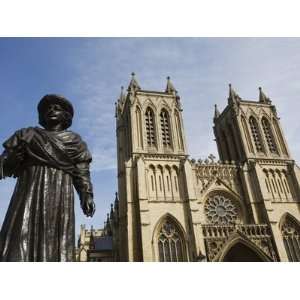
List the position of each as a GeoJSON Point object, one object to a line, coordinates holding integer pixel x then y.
{"type": "Point", "coordinates": [220, 210]}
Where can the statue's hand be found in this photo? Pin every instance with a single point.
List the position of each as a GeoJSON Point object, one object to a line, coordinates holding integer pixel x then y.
{"type": "Point", "coordinates": [87, 204]}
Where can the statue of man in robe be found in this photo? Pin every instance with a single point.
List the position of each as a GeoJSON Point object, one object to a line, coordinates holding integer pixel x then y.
{"type": "Point", "coordinates": [47, 162]}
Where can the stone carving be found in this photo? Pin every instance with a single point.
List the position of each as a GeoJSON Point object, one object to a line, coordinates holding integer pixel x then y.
{"type": "Point", "coordinates": [220, 210]}
{"type": "Point", "coordinates": [216, 236]}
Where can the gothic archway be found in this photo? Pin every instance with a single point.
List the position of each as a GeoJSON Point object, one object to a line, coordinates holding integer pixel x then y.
{"type": "Point", "coordinates": [242, 250]}
{"type": "Point", "coordinates": [241, 253]}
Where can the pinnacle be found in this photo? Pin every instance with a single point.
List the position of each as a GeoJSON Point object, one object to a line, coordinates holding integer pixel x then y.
{"type": "Point", "coordinates": [170, 89]}
{"type": "Point", "coordinates": [262, 97]}
{"type": "Point", "coordinates": [133, 85]}
{"type": "Point", "coordinates": [217, 112]}
{"type": "Point", "coordinates": [233, 96]}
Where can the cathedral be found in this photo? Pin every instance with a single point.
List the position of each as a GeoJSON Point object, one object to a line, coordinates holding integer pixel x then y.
{"type": "Point", "coordinates": [170, 208]}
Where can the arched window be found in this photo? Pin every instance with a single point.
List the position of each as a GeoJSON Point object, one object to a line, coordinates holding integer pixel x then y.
{"type": "Point", "coordinates": [247, 135]}
{"type": "Point", "coordinates": [226, 149]}
{"type": "Point", "coordinates": [290, 230]}
{"type": "Point", "coordinates": [152, 182]}
{"type": "Point", "coordinates": [165, 128]}
{"type": "Point", "coordinates": [150, 127]}
{"type": "Point", "coordinates": [171, 245]}
{"type": "Point", "coordinates": [268, 135]}
{"type": "Point", "coordinates": [139, 127]}
{"type": "Point", "coordinates": [255, 134]}
{"type": "Point", "coordinates": [279, 136]}
{"type": "Point", "coordinates": [178, 130]}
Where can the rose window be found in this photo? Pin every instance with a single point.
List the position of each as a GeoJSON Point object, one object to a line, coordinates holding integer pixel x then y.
{"type": "Point", "coordinates": [220, 210]}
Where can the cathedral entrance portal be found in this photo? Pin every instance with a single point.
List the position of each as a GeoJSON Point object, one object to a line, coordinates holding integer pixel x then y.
{"type": "Point", "coordinates": [242, 253]}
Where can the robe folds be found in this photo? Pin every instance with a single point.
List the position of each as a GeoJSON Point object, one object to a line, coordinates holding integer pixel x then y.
{"type": "Point", "coordinates": [40, 223]}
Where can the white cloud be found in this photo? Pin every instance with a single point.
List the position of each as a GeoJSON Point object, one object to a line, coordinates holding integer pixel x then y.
{"type": "Point", "coordinates": [200, 69]}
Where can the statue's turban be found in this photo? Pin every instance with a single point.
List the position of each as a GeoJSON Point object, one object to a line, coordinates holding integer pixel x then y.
{"type": "Point", "coordinates": [55, 99]}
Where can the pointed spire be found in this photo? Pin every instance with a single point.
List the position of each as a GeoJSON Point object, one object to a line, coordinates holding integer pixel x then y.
{"type": "Point", "coordinates": [262, 97]}
{"type": "Point", "coordinates": [116, 109]}
{"type": "Point", "coordinates": [217, 112]}
{"type": "Point", "coordinates": [111, 211]}
{"type": "Point", "coordinates": [233, 96]}
{"type": "Point", "coordinates": [116, 202]}
{"type": "Point", "coordinates": [133, 85]}
{"type": "Point", "coordinates": [122, 95]}
{"type": "Point", "coordinates": [108, 226]}
{"type": "Point", "coordinates": [170, 89]}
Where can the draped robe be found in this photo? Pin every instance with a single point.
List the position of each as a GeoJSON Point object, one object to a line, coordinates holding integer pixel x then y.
{"type": "Point", "coordinates": [40, 223]}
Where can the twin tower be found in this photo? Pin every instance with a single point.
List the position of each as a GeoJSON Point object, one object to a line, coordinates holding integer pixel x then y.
{"type": "Point", "coordinates": [245, 207]}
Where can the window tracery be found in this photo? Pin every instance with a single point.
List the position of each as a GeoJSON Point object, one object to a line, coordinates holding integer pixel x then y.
{"type": "Point", "coordinates": [178, 131]}
{"type": "Point", "coordinates": [290, 231]}
{"type": "Point", "coordinates": [255, 134]}
{"type": "Point", "coordinates": [220, 210]}
{"type": "Point", "coordinates": [150, 127]}
{"type": "Point", "coordinates": [165, 128]}
{"type": "Point", "coordinates": [171, 245]}
{"type": "Point", "coordinates": [268, 135]}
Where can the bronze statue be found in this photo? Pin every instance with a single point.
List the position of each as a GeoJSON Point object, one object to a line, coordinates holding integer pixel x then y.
{"type": "Point", "coordinates": [40, 223]}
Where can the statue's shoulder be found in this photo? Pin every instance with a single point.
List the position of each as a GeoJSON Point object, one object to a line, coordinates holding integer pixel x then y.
{"type": "Point", "coordinates": [24, 133]}
{"type": "Point", "coordinates": [73, 135]}
{"type": "Point", "coordinates": [19, 136]}
{"type": "Point", "coordinates": [25, 130]}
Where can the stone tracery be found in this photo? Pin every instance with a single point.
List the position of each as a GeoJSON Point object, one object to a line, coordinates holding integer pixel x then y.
{"type": "Point", "coordinates": [221, 210]}
{"type": "Point", "coordinates": [170, 243]}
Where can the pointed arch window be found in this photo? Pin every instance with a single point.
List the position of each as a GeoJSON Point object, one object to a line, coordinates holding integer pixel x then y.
{"type": "Point", "coordinates": [139, 127]}
{"type": "Point", "coordinates": [256, 134]}
{"type": "Point", "coordinates": [268, 135]}
{"type": "Point", "coordinates": [171, 245]}
{"type": "Point", "coordinates": [178, 130]}
{"type": "Point", "coordinates": [247, 135]}
{"type": "Point", "coordinates": [290, 231]}
{"type": "Point", "coordinates": [280, 137]}
{"type": "Point", "coordinates": [150, 127]}
{"type": "Point", "coordinates": [165, 128]}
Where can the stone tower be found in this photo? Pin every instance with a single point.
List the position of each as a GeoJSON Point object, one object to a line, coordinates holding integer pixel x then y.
{"type": "Point", "coordinates": [244, 207]}
{"type": "Point", "coordinates": [151, 169]}
{"type": "Point", "coordinates": [249, 133]}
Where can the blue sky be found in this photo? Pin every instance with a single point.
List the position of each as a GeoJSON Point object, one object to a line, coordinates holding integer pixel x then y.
{"type": "Point", "coordinates": [90, 72]}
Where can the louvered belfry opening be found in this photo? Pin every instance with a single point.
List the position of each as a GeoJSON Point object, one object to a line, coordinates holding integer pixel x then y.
{"type": "Point", "coordinates": [150, 127]}
{"type": "Point", "coordinates": [268, 135]}
{"type": "Point", "coordinates": [255, 134]}
{"type": "Point", "coordinates": [165, 128]}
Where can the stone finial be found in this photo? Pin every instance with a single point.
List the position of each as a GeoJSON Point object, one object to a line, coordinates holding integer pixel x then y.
{"type": "Point", "coordinates": [111, 211]}
{"type": "Point", "coordinates": [217, 113]}
{"type": "Point", "coordinates": [170, 89]}
{"type": "Point", "coordinates": [133, 85]}
{"type": "Point", "coordinates": [233, 96]}
{"type": "Point", "coordinates": [212, 158]}
{"type": "Point", "coordinates": [262, 97]}
{"type": "Point", "coordinates": [122, 95]}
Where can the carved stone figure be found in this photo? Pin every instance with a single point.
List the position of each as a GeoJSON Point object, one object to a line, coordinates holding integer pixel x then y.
{"type": "Point", "coordinates": [47, 162]}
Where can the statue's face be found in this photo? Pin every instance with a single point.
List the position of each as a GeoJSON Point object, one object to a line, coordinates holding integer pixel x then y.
{"type": "Point", "coordinates": [54, 114]}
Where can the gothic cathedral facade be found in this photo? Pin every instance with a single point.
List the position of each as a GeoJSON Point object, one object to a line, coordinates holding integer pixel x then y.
{"type": "Point", "coordinates": [245, 207]}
